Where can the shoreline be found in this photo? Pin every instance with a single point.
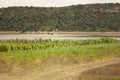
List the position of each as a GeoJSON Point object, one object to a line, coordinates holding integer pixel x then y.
{"type": "Point", "coordinates": [79, 34]}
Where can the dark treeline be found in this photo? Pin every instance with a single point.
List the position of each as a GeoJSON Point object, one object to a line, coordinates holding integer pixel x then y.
{"type": "Point", "coordinates": [90, 17]}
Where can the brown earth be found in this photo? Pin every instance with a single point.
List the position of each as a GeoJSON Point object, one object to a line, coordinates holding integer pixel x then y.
{"type": "Point", "coordinates": [55, 72]}
{"type": "Point", "coordinates": [109, 72]}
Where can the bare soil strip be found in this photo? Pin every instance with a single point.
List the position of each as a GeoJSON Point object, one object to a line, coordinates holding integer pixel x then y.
{"type": "Point", "coordinates": [56, 72]}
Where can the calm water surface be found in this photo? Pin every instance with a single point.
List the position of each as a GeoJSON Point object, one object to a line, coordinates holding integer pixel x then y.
{"type": "Point", "coordinates": [46, 36]}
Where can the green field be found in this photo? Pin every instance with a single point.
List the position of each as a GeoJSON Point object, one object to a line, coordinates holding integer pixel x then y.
{"type": "Point", "coordinates": [47, 51]}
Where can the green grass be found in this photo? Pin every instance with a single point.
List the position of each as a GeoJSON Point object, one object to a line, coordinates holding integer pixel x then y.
{"type": "Point", "coordinates": [73, 54]}
{"type": "Point", "coordinates": [20, 51]}
{"type": "Point", "coordinates": [13, 45]}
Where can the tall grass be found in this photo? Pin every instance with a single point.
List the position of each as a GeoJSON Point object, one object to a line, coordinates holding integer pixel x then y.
{"type": "Point", "coordinates": [12, 45]}
{"type": "Point", "coordinates": [72, 51]}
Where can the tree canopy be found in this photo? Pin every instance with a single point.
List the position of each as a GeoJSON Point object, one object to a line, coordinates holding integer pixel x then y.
{"type": "Point", "coordinates": [90, 17]}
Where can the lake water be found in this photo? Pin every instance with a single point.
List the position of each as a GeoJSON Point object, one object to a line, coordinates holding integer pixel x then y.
{"type": "Point", "coordinates": [47, 36]}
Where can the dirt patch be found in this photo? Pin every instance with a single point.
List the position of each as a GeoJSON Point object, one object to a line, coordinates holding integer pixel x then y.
{"type": "Point", "coordinates": [110, 72]}
{"type": "Point", "coordinates": [54, 72]}
{"type": "Point", "coordinates": [4, 67]}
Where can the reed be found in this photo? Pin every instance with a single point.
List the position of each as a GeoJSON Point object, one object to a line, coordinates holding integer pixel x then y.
{"type": "Point", "coordinates": [12, 45]}
{"type": "Point", "coordinates": [58, 51]}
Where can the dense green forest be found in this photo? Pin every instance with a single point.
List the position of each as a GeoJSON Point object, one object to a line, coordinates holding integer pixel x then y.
{"type": "Point", "coordinates": [89, 17]}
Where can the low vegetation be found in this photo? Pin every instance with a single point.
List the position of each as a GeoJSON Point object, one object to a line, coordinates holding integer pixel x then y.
{"type": "Point", "coordinates": [48, 51]}
{"type": "Point", "coordinates": [12, 45]}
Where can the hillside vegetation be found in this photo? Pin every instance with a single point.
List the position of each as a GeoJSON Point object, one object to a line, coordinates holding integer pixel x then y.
{"type": "Point", "coordinates": [90, 17]}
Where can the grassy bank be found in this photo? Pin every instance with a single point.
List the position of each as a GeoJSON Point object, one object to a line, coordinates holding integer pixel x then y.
{"type": "Point", "coordinates": [54, 52]}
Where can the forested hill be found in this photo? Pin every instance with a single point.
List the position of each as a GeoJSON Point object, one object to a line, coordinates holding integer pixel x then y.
{"type": "Point", "coordinates": [90, 17]}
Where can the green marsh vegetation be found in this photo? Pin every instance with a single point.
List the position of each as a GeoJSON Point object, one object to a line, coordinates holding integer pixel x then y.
{"type": "Point", "coordinates": [12, 45]}
{"type": "Point", "coordinates": [47, 51]}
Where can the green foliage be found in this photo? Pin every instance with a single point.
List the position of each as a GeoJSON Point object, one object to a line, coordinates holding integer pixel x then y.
{"type": "Point", "coordinates": [91, 17]}
{"type": "Point", "coordinates": [44, 44]}
{"type": "Point", "coordinates": [74, 54]}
